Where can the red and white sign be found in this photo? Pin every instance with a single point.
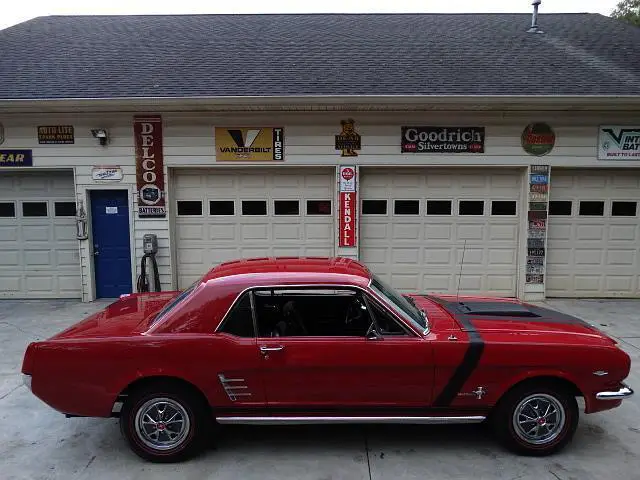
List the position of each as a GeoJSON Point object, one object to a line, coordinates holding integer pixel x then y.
{"type": "Point", "coordinates": [149, 166]}
{"type": "Point", "coordinates": [348, 203]}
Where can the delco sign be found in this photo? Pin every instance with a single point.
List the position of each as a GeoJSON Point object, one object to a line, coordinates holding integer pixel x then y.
{"type": "Point", "coordinates": [149, 166]}
{"type": "Point", "coordinates": [619, 143]}
{"type": "Point", "coordinates": [442, 140]}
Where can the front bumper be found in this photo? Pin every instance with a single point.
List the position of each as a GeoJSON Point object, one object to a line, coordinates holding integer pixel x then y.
{"type": "Point", "coordinates": [621, 393]}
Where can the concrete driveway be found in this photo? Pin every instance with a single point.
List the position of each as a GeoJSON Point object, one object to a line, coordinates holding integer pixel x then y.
{"type": "Point", "coordinates": [39, 443]}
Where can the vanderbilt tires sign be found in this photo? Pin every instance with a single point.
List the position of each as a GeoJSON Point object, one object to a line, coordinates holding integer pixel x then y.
{"type": "Point", "coordinates": [249, 144]}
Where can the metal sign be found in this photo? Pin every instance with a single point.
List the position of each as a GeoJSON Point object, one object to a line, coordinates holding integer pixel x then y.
{"type": "Point", "coordinates": [348, 141]}
{"type": "Point", "coordinates": [149, 166]}
{"type": "Point", "coordinates": [347, 210]}
{"type": "Point", "coordinates": [538, 139]}
{"type": "Point", "coordinates": [442, 140]}
{"type": "Point", "coordinates": [619, 143]}
{"type": "Point", "coordinates": [55, 135]}
{"type": "Point", "coordinates": [249, 144]}
{"type": "Point", "coordinates": [16, 158]}
{"type": "Point", "coordinates": [106, 173]}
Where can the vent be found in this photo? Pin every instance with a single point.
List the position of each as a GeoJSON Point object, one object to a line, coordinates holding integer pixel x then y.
{"type": "Point", "coordinates": [534, 18]}
{"type": "Point", "coordinates": [498, 309]}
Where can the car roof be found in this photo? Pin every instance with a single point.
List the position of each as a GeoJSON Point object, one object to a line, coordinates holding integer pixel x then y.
{"type": "Point", "coordinates": [304, 269]}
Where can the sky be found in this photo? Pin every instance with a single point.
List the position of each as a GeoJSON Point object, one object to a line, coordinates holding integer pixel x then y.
{"type": "Point", "coordinates": [13, 12]}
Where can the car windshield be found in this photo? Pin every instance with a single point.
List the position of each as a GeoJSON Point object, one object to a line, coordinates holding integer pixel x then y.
{"type": "Point", "coordinates": [172, 303]}
{"type": "Point", "coordinates": [401, 304]}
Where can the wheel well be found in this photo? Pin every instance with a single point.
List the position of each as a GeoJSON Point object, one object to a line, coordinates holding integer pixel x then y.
{"type": "Point", "coordinates": [558, 382]}
{"type": "Point", "coordinates": [147, 382]}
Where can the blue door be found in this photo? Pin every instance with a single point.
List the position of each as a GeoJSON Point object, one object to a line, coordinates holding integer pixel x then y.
{"type": "Point", "coordinates": [111, 247]}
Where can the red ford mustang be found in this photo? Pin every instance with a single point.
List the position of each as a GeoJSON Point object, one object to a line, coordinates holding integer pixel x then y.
{"type": "Point", "coordinates": [313, 340]}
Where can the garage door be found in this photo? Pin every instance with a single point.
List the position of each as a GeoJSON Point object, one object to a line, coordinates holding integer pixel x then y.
{"type": "Point", "coordinates": [224, 215]}
{"type": "Point", "coordinates": [594, 234]}
{"type": "Point", "coordinates": [38, 247]}
{"type": "Point", "coordinates": [414, 225]}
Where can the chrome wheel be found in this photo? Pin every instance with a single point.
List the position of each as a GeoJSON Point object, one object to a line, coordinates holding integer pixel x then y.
{"type": "Point", "coordinates": [538, 419]}
{"type": "Point", "coordinates": [162, 424]}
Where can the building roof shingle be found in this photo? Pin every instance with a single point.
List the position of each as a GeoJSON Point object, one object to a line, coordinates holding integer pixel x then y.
{"type": "Point", "coordinates": [73, 57]}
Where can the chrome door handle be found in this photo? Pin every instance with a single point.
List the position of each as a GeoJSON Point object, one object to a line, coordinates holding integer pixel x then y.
{"type": "Point", "coordinates": [265, 349]}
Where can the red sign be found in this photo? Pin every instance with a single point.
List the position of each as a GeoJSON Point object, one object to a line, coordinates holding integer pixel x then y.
{"type": "Point", "coordinates": [348, 203]}
{"type": "Point", "coordinates": [147, 132]}
{"type": "Point", "coordinates": [348, 173]}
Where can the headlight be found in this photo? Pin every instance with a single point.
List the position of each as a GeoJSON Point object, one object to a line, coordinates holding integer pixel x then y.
{"type": "Point", "coordinates": [26, 379]}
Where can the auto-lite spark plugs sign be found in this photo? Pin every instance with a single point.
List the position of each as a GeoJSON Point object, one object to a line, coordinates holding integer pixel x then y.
{"type": "Point", "coordinates": [442, 140]}
{"type": "Point", "coordinates": [147, 132]}
{"type": "Point", "coordinates": [348, 202]}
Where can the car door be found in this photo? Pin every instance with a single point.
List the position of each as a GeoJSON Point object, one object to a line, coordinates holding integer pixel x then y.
{"type": "Point", "coordinates": [234, 352]}
{"type": "Point", "coordinates": [323, 364]}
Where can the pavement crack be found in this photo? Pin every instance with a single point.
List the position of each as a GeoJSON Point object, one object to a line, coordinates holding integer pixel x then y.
{"type": "Point", "coordinates": [90, 462]}
{"type": "Point", "coordinates": [554, 474]}
{"type": "Point", "coordinates": [10, 392]}
{"type": "Point", "coordinates": [366, 449]}
{"type": "Point", "coordinates": [20, 329]}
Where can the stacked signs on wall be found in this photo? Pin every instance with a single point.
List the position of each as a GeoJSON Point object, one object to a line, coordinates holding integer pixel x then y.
{"type": "Point", "coordinates": [147, 132]}
{"type": "Point", "coordinates": [537, 217]}
{"type": "Point", "coordinates": [348, 203]}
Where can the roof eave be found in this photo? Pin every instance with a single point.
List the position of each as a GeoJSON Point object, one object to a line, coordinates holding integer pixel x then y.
{"type": "Point", "coordinates": [329, 102]}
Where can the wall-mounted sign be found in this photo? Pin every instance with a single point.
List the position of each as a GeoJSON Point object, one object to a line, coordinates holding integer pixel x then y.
{"type": "Point", "coordinates": [106, 173]}
{"type": "Point", "coordinates": [537, 216]}
{"type": "Point", "coordinates": [538, 139]}
{"type": "Point", "coordinates": [111, 210]}
{"type": "Point", "coordinates": [348, 202]}
{"type": "Point", "coordinates": [249, 144]}
{"type": "Point", "coordinates": [1, 134]}
{"type": "Point", "coordinates": [55, 134]}
{"type": "Point", "coordinates": [16, 158]}
{"type": "Point", "coordinates": [442, 140]}
{"type": "Point", "coordinates": [147, 131]}
{"type": "Point", "coordinates": [349, 140]}
{"type": "Point", "coordinates": [618, 143]}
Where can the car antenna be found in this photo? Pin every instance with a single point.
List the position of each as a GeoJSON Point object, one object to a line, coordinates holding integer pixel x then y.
{"type": "Point", "coordinates": [464, 249]}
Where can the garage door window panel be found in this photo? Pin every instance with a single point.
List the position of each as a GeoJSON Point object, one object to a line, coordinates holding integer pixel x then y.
{"type": "Point", "coordinates": [560, 208]}
{"type": "Point", "coordinates": [34, 209]}
{"type": "Point", "coordinates": [471, 207]}
{"type": "Point", "coordinates": [318, 207]}
{"type": "Point", "coordinates": [439, 207]}
{"type": "Point", "coordinates": [191, 208]}
{"type": "Point", "coordinates": [591, 208]}
{"type": "Point", "coordinates": [406, 207]}
{"type": "Point", "coordinates": [286, 207]}
{"type": "Point", "coordinates": [7, 210]}
{"type": "Point", "coordinates": [374, 207]}
{"type": "Point", "coordinates": [222, 207]}
{"type": "Point", "coordinates": [64, 209]}
{"type": "Point", "coordinates": [624, 209]}
{"type": "Point", "coordinates": [504, 208]}
{"type": "Point", "coordinates": [311, 313]}
{"type": "Point", "coordinates": [254, 207]}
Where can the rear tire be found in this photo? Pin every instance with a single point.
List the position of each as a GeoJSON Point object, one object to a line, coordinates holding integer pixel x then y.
{"type": "Point", "coordinates": [536, 419]}
{"type": "Point", "coordinates": [165, 423]}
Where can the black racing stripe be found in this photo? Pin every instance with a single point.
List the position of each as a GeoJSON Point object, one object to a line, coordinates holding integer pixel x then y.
{"type": "Point", "coordinates": [467, 366]}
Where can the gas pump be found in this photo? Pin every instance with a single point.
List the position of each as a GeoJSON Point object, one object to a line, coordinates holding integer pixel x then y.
{"type": "Point", "coordinates": [149, 282]}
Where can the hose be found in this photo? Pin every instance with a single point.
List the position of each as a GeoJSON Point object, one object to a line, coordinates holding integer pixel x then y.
{"type": "Point", "coordinates": [143, 280]}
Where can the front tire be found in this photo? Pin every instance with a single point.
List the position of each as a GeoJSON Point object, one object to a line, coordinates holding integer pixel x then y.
{"type": "Point", "coordinates": [164, 423]}
{"type": "Point", "coordinates": [536, 420]}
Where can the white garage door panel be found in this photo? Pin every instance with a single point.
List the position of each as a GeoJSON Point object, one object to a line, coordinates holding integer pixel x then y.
{"type": "Point", "coordinates": [599, 255]}
{"type": "Point", "coordinates": [423, 252]}
{"type": "Point", "coordinates": [39, 256]}
{"type": "Point", "coordinates": [207, 240]}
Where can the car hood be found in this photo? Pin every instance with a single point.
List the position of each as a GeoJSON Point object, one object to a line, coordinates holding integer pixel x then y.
{"type": "Point", "coordinates": [121, 318]}
{"type": "Point", "coordinates": [505, 315]}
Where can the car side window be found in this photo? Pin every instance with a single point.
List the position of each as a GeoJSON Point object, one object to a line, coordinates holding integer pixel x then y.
{"type": "Point", "coordinates": [239, 321]}
{"type": "Point", "coordinates": [311, 312]}
{"type": "Point", "coordinates": [385, 322]}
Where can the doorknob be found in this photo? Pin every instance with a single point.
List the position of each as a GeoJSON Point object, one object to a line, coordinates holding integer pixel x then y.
{"type": "Point", "coordinates": [265, 350]}
{"type": "Point", "coordinates": [96, 252]}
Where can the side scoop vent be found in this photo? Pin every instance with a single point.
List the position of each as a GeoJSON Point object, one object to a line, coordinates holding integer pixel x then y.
{"type": "Point", "coordinates": [500, 309]}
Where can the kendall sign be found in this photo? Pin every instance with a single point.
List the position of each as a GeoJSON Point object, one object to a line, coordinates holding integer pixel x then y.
{"type": "Point", "coordinates": [442, 140]}
{"type": "Point", "coordinates": [348, 202]}
{"type": "Point", "coordinates": [147, 132]}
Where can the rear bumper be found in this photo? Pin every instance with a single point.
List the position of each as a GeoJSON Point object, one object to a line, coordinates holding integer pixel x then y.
{"type": "Point", "coordinates": [623, 392]}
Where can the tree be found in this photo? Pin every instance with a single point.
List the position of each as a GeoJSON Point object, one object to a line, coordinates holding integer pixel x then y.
{"type": "Point", "coordinates": [628, 11]}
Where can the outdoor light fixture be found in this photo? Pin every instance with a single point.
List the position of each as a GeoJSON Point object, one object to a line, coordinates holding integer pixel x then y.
{"type": "Point", "coordinates": [101, 134]}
